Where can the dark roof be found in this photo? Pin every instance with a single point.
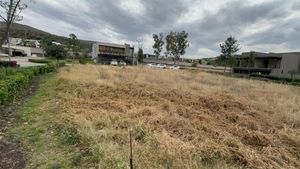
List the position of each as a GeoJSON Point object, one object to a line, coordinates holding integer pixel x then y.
{"type": "Point", "coordinates": [113, 45]}
{"type": "Point", "coordinates": [265, 55]}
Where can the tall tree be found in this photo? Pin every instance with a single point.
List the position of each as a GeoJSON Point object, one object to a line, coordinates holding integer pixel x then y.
{"type": "Point", "coordinates": [73, 44]}
{"type": "Point", "coordinates": [228, 50]}
{"type": "Point", "coordinates": [177, 43]}
{"type": "Point", "coordinates": [170, 41]}
{"type": "Point", "coordinates": [181, 44]}
{"type": "Point", "coordinates": [9, 13]}
{"type": "Point", "coordinates": [158, 44]}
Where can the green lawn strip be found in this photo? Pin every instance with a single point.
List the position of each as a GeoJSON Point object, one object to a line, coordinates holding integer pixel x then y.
{"type": "Point", "coordinates": [47, 141]}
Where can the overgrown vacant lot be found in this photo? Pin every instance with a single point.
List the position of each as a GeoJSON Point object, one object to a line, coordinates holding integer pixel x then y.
{"type": "Point", "coordinates": [179, 119]}
{"type": "Point", "coordinates": [183, 118]}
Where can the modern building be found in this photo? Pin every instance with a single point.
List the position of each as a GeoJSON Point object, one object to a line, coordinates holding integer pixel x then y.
{"type": "Point", "coordinates": [106, 52]}
{"type": "Point", "coordinates": [24, 51]}
{"type": "Point", "coordinates": [25, 42]}
{"type": "Point", "coordinates": [24, 47]}
{"type": "Point", "coordinates": [276, 64]}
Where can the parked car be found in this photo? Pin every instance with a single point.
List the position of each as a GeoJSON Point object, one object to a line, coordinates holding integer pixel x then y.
{"type": "Point", "coordinates": [114, 63]}
{"type": "Point", "coordinates": [174, 67]}
{"type": "Point", "coordinates": [152, 65]}
{"type": "Point", "coordinates": [122, 63]}
{"type": "Point", "coordinates": [161, 66]}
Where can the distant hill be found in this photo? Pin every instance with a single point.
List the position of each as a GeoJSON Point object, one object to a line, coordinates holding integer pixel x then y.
{"type": "Point", "coordinates": [28, 32]}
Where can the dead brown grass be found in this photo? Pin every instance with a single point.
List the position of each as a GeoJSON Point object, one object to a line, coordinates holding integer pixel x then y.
{"type": "Point", "coordinates": [184, 119]}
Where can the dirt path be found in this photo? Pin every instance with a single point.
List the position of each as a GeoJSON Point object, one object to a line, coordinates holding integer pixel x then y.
{"type": "Point", "coordinates": [11, 154]}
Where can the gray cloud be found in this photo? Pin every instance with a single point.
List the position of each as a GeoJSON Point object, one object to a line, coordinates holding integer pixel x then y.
{"type": "Point", "coordinates": [108, 20]}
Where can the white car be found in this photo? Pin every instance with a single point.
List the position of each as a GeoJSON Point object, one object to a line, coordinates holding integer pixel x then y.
{"type": "Point", "coordinates": [114, 63]}
{"type": "Point", "coordinates": [174, 67]}
{"type": "Point", "coordinates": [161, 66]}
{"type": "Point", "coordinates": [152, 65]}
{"type": "Point", "coordinates": [122, 63]}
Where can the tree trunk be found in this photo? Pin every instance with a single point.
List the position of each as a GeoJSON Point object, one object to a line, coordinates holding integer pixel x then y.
{"type": "Point", "coordinates": [225, 66]}
{"type": "Point", "coordinates": [5, 36]}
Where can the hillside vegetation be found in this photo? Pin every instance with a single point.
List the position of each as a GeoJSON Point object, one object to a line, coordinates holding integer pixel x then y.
{"type": "Point", "coordinates": [27, 32]}
{"type": "Point", "coordinates": [179, 119]}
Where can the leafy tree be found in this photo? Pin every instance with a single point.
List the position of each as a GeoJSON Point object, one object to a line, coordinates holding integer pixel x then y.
{"type": "Point", "coordinates": [177, 44]}
{"type": "Point", "coordinates": [170, 41]}
{"type": "Point", "coordinates": [140, 55]}
{"type": "Point", "coordinates": [73, 45]}
{"type": "Point", "coordinates": [9, 13]}
{"type": "Point", "coordinates": [56, 51]}
{"type": "Point", "coordinates": [158, 44]}
{"type": "Point", "coordinates": [228, 49]}
{"type": "Point", "coordinates": [181, 44]}
{"type": "Point", "coordinates": [46, 41]}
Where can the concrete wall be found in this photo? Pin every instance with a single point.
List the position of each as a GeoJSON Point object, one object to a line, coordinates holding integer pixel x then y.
{"type": "Point", "coordinates": [290, 62]}
{"type": "Point", "coordinates": [95, 51]}
{"type": "Point", "coordinates": [27, 50]}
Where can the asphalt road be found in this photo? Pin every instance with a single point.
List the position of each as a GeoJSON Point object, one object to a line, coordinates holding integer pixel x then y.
{"type": "Point", "coordinates": [23, 61]}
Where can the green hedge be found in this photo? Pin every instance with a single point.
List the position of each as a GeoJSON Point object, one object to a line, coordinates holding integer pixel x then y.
{"type": "Point", "coordinates": [283, 79]}
{"type": "Point", "coordinates": [14, 81]}
{"type": "Point", "coordinates": [45, 61]}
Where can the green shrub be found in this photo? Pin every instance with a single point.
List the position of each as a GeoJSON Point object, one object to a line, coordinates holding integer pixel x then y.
{"type": "Point", "coordinates": [283, 79]}
{"type": "Point", "coordinates": [14, 81]}
{"type": "Point", "coordinates": [194, 64]}
{"type": "Point", "coordinates": [82, 60]}
{"type": "Point", "coordinates": [45, 61]}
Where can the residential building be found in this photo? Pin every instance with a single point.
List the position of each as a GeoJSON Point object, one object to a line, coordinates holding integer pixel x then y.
{"type": "Point", "coordinates": [24, 51]}
{"type": "Point", "coordinates": [24, 47]}
{"type": "Point", "coordinates": [106, 52]}
{"type": "Point", "coordinates": [276, 64]}
{"type": "Point", "coordinates": [25, 42]}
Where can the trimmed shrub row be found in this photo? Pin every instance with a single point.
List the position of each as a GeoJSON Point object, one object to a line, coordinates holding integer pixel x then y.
{"type": "Point", "coordinates": [14, 81]}
{"type": "Point", "coordinates": [283, 79]}
{"type": "Point", "coordinates": [45, 61]}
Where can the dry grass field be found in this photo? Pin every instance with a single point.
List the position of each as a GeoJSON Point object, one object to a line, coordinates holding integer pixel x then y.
{"type": "Point", "coordinates": [181, 118]}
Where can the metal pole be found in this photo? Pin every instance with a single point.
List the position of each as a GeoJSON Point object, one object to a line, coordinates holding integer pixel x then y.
{"type": "Point", "coordinates": [131, 159]}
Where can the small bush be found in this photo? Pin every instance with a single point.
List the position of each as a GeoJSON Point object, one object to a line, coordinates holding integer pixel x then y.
{"type": "Point", "coordinates": [83, 60]}
{"type": "Point", "coordinates": [283, 79]}
{"type": "Point", "coordinates": [194, 64]}
{"type": "Point", "coordinates": [44, 61]}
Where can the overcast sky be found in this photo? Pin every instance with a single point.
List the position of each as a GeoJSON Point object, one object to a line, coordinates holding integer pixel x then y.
{"type": "Point", "coordinates": [259, 25]}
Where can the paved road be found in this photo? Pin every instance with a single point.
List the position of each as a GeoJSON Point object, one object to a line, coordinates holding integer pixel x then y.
{"type": "Point", "coordinates": [23, 61]}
